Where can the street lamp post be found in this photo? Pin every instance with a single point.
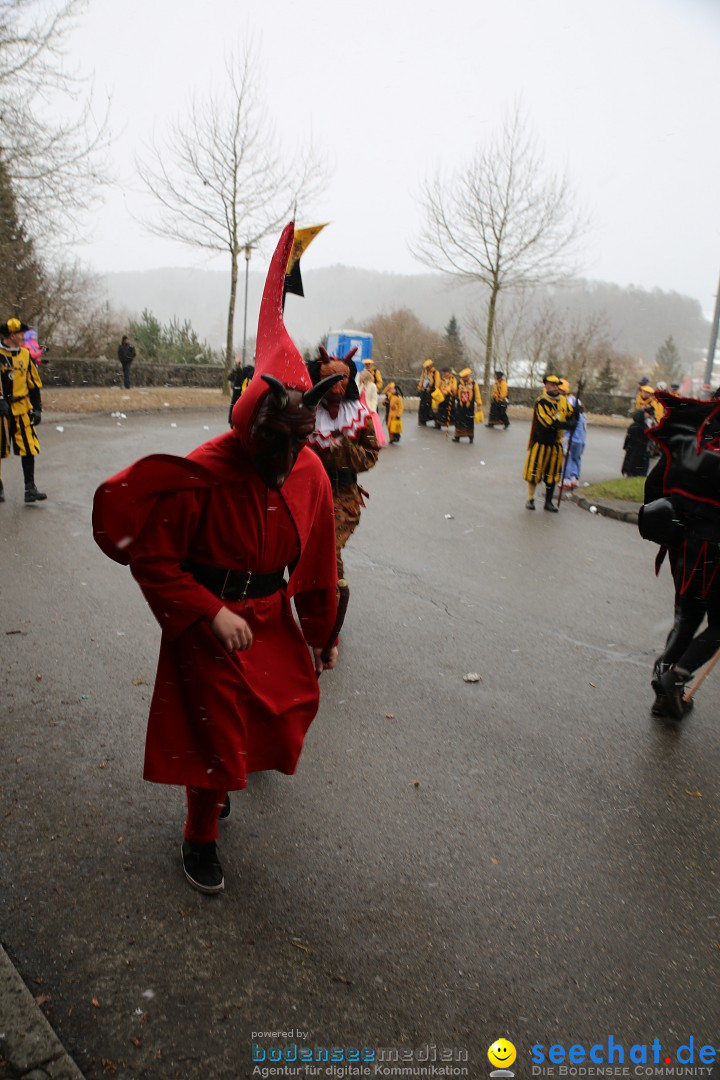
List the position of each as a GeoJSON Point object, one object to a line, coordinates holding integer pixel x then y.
{"type": "Point", "coordinates": [707, 386]}
{"type": "Point", "coordinates": [248, 249]}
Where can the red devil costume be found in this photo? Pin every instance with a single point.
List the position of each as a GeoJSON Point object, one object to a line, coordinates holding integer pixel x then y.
{"type": "Point", "coordinates": [682, 514]}
{"type": "Point", "coordinates": [207, 533]}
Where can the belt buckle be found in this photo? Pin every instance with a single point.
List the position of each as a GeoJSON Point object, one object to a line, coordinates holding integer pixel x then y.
{"type": "Point", "coordinates": [249, 574]}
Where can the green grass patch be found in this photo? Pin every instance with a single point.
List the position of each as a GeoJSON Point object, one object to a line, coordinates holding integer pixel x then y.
{"type": "Point", "coordinates": [631, 488]}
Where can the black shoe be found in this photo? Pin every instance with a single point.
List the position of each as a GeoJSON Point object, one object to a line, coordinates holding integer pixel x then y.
{"type": "Point", "coordinates": [33, 495]}
{"type": "Point", "coordinates": [672, 685]}
{"type": "Point", "coordinates": [456, 438]}
{"type": "Point", "coordinates": [550, 507]}
{"type": "Point", "coordinates": [470, 438]}
{"type": "Point", "coordinates": [225, 809]}
{"type": "Point", "coordinates": [2, 493]}
{"type": "Point", "coordinates": [201, 866]}
{"type": "Point", "coordinates": [660, 706]}
{"type": "Point", "coordinates": [530, 504]}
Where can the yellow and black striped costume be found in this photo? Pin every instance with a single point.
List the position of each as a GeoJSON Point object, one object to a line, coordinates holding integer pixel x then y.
{"type": "Point", "coordinates": [21, 385]}
{"type": "Point", "coordinates": [443, 398]}
{"type": "Point", "coordinates": [468, 403]}
{"type": "Point", "coordinates": [544, 458]}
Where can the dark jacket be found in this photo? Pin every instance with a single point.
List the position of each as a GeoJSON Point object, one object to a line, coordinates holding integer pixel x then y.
{"type": "Point", "coordinates": [126, 353]}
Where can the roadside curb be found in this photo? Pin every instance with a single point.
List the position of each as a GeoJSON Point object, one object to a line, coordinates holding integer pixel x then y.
{"type": "Point", "coordinates": [617, 512]}
{"type": "Point", "coordinates": [29, 1048]}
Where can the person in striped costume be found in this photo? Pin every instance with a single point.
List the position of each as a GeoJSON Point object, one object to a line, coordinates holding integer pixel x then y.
{"type": "Point", "coordinates": [19, 417]}
{"type": "Point", "coordinates": [552, 415]}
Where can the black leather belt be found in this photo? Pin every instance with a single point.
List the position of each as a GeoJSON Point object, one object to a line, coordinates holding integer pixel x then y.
{"type": "Point", "coordinates": [343, 477]}
{"type": "Point", "coordinates": [236, 585]}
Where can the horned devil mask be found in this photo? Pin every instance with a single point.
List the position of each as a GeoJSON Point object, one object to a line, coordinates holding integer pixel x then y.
{"type": "Point", "coordinates": [276, 414]}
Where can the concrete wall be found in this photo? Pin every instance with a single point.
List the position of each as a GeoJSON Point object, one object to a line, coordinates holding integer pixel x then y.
{"type": "Point", "coordinates": [109, 373]}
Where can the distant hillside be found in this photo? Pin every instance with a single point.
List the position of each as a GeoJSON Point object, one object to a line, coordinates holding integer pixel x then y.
{"type": "Point", "coordinates": [341, 296]}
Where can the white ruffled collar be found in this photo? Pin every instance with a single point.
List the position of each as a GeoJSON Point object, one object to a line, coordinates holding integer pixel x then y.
{"type": "Point", "coordinates": [349, 420]}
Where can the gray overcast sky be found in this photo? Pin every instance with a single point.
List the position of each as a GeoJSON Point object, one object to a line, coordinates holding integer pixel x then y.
{"type": "Point", "coordinates": [622, 94]}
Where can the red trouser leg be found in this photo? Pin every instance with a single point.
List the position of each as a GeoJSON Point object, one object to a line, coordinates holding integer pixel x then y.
{"type": "Point", "coordinates": [203, 807]}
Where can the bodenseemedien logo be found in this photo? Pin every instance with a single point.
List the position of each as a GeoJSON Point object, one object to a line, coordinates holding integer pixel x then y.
{"type": "Point", "coordinates": [502, 1054]}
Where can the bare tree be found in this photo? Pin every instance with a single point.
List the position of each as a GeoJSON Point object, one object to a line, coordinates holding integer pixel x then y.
{"type": "Point", "coordinates": [500, 222]}
{"type": "Point", "coordinates": [401, 342]}
{"type": "Point", "coordinates": [579, 347]}
{"type": "Point", "coordinates": [585, 347]}
{"type": "Point", "coordinates": [509, 332]}
{"type": "Point", "coordinates": [668, 362]}
{"type": "Point", "coordinates": [221, 180]}
{"type": "Point", "coordinates": [542, 344]}
{"type": "Point", "coordinates": [54, 164]}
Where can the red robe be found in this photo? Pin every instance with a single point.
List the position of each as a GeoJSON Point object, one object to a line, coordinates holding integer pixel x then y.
{"type": "Point", "coordinates": [214, 716]}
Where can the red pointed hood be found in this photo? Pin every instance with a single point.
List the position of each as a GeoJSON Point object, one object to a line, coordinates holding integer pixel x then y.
{"type": "Point", "coordinates": [275, 352]}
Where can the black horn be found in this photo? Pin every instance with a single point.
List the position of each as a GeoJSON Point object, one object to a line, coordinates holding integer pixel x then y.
{"type": "Point", "coordinates": [279, 392]}
{"type": "Point", "coordinates": [312, 397]}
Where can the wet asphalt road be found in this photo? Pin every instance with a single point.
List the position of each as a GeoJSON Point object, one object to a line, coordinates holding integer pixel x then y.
{"type": "Point", "coordinates": [530, 856]}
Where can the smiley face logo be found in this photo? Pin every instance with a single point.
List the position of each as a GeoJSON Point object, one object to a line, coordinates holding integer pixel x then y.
{"type": "Point", "coordinates": [502, 1054]}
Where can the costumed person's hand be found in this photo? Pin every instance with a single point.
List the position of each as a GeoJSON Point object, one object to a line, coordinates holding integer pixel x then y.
{"type": "Point", "coordinates": [232, 630]}
{"type": "Point", "coordinates": [325, 665]}
{"type": "Point", "coordinates": [35, 417]}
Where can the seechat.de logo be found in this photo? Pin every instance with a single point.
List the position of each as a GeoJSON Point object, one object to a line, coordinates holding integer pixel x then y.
{"type": "Point", "coordinates": [502, 1054]}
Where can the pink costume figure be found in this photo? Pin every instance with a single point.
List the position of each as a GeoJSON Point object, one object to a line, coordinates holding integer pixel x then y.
{"type": "Point", "coordinates": [32, 346]}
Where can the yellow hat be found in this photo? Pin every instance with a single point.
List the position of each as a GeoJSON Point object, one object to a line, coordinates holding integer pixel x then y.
{"type": "Point", "coordinates": [13, 326]}
{"type": "Point", "coordinates": [368, 360]}
{"type": "Point", "coordinates": [564, 386]}
{"type": "Point", "coordinates": [647, 389]}
{"type": "Point", "coordinates": [390, 386]}
{"type": "Point", "coordinates": [427, 363]}
{"type": "Point", "coordinates": [552, 379]}
{"type": "Point", "coordinates": [465, 371]}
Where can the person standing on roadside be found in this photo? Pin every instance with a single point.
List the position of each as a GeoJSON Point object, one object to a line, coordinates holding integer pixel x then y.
{"type": "Point", "coordinates": [240, 380]}
{"type": "Point", "coordinates": [552, 416]}
{"type": "Point", "coordinates": [126, 355]}
{"type": "Point", "coordinates": [499, 402]}
{"type": "Point", "coordinates": [427, 383]}
{"type": "Point", "coordinates": [21, 385]}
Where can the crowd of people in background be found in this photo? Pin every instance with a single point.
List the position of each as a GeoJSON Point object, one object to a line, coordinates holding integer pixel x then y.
{"type": "Point", "coordinates": [450, 399]}
{"type": "Point", "coordinates": [647, 412]}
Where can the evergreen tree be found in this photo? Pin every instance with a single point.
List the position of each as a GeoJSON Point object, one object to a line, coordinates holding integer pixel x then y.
{"type": "Point", "coordinates": [22, 283]}
{"type": "Point", "coordinates": [668, 363]}
{"type": "Point", "coordinates": [173, 343]}
{"type": "Point", "coordinates": [181, 345]}
{"type": "Point", "coordinates": [453, 352]}
{"type": "Point", "coordinates": [606, 380]}
{"type": "Point", "coordinates": [147, 335]}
